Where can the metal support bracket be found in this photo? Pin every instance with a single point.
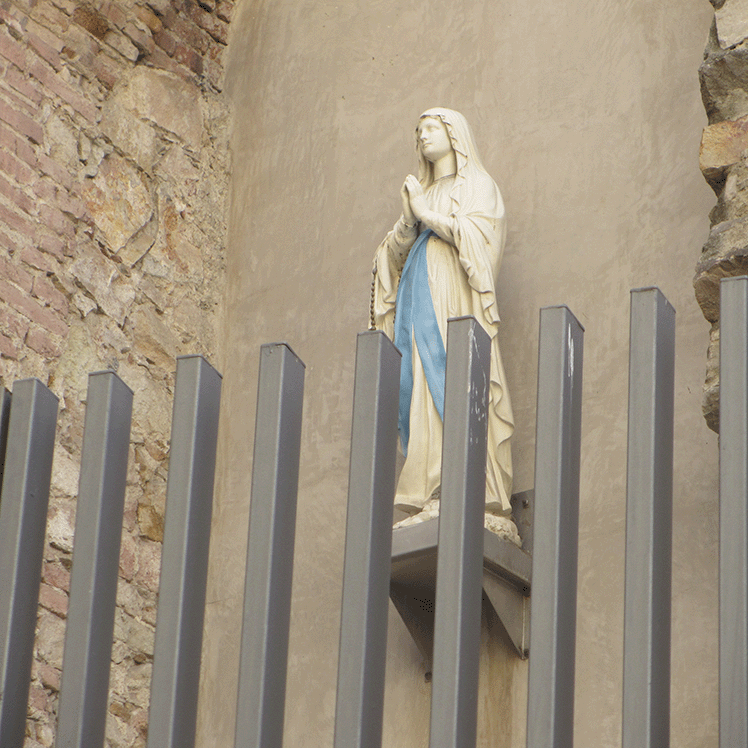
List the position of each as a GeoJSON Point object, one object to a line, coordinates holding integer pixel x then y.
{"type": "Point", "coordinates": [507, 572]}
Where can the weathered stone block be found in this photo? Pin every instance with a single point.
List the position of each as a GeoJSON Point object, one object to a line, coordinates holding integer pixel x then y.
{"type": "Point", "coordinates": [50, 636]}
{"type": "Point", "coordinates": [63, 141]}
{"type": "Point", "coordinates": [41, 341]}
{"type": "Point", "coordinates": [722, 145]}
{"type": "Point", "coordinates": [56, 574]}
{"type": "Point", "coordinates": [97, 274]}
{"type": "Point", "coordinates": [129, 133]}
{"type": "Point", "coordinates": [127, 557]}
{"type": "Point", "coordinates": [8, 348]}
{"type": "Point", "coordinates": [60, 528]}
{"type": "Point", "coordinates": [724, 82]}
{"type": "Point", "coordinates": [13, 323]}
{"type": "Point", "coordinates": [151, 20]}
{"type": "Point", "coordinates": [149, 566]}
{"type": "Point", "coordinates": [53, 600]}
{"type": "Point", "coordinates": [153, 339]}
{"type": "Point", "coordinates": [151, 523]}
{"type": "Point", "coordinates": [725, 254]}
{"type": "Point", "coordinates": [152, 406]}
{"type": "Point", "coordinates": [119, 733]}
{"type": "Point", "coordinates": [175, 256]}
{"type": "Point", "coordinates": [732, 22]}
{"type": "Point", "coordinates": [122, 44]}
{"type": "Point", "coordinates": [166, 100]}
{"type": "Point", "coordinates": [38, 700]}
{"type": "Point", "coordinates": [140, 35]}
{"type": "Point", "coordinates": [138, 681]}
{"type": "Point", "coordinates": [118, 200]}
{"type": "Point", "coordinates": [59, 173]}
{"type": "Point", "coordinates": [224, 9]}
{"type": "Point", "coordinates": [137, 634]}
{"type": "Point", "coordinates": [137, 602]}
{"type": "Point", "coordinates": [48, 675]}
{"type": "Point", "coordinates": [140, 243]}
{"type": "Point", "coordinates": [84, 304]}
{"type": "Point", "coordinates": [166, 41]}
{"type": "Point", "coordinates": [91, 20]}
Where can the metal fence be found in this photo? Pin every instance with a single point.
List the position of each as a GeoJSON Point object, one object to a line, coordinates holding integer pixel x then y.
{"type": "Point", "coordinates": [27, 428]}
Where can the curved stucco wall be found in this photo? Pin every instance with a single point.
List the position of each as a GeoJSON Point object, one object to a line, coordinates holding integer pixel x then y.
{"type": "Point", "coordinates": [589, 118]}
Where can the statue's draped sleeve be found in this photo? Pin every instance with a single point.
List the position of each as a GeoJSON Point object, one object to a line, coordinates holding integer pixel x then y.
{"type": "Point", "coordinates": [388, 265]}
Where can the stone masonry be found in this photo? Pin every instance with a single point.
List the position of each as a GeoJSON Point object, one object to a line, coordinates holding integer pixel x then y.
{"type": "Point", "coordinates": [114, 167]}
{"type": "Point", "coordinates": [724, 164]}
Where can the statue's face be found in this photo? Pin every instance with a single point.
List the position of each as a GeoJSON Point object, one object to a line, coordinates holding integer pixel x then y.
{"type": "Point", "coordinates": [433, 138]}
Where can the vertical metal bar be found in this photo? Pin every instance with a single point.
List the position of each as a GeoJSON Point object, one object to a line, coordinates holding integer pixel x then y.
{"type": "Point", "coordinates": [4, 424]}
{"type": "Point", "coordinates": [93, 584]}
{"type": "Point", "coordinates": [459, 571]}
{"type": "Point", "coordinates": [184, 563]}
{"type": "Point", "coordinates": [733, 514]}
{"type": "Point", "coordinates": [550, 708]}
{"type": "Point", "coordinates": [649, 500]}
{"type": "Point", "coordinates": [272, 527]}
{"type": "Point", "coordinates": [368, 544]}
{"type": "Point", "coordinates": [23, 520]}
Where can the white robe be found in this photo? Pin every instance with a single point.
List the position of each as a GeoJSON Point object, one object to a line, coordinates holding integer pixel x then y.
{"type": "Point", "coordinates": [463, 263]}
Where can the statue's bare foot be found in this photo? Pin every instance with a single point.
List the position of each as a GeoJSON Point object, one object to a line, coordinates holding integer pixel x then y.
{"type": "Point", "coordinates": [430, 511]}
{"type": "Point", "coordinates": [503, 527]}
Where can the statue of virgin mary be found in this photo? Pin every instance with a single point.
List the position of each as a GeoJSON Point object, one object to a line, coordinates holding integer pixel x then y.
{"type": "Point", "coordinates": [442, 260]}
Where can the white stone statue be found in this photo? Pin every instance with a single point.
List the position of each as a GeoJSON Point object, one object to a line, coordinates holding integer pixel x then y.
{"type": "Point", "coordinates": [442, 260]}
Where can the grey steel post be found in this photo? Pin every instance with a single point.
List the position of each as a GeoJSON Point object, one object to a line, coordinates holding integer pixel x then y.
{"type": "Point", "coordinates": [272, 528]}
{"type": "Point", "coordinates": [733, 514]}
{"type": "Point", "coordinates": [93, 584]}
{"type": "Point", "coordinates": [368, 544]}
{"type": "Point", "coordinates": [184, 562]}
{"type": "Point", "coordinates": [23, 520]}
{"type": "Point", "coordinates": [4, 423]}
{"type": "Point", "coordinates": [459, 570]}
{"type": "Point", "coordinates": [649, 500]}
{"type": "Point", "coordinates": [550, 707]}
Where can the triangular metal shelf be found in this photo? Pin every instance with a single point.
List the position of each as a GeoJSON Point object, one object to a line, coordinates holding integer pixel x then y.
{"type": "Point", "coordinates": [507, 572]}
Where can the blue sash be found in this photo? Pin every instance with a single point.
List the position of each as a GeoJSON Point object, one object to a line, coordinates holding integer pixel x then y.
{"type": "Point", "coordinates": [415, 318]}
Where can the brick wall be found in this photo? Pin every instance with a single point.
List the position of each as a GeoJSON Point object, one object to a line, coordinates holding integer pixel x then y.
{"type": "Point", "coordinates": [113, 184]}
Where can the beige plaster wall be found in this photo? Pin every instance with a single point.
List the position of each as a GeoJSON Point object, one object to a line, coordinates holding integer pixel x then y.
{"type": "Point", "coordinates": [588, 116]}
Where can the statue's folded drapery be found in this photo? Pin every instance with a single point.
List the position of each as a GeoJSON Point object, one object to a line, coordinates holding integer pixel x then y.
{"type": "Point", "coordinates": [463, 253]}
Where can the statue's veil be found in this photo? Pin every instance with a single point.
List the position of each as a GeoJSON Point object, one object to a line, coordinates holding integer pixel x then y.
{"type": "Point", "coordinates": [463, 143]}
{"type": "Point", "coordinates": [471, 174]}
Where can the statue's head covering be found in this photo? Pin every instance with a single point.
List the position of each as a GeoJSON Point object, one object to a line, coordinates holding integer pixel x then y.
{"type": "Point", "coordinates": [463, 144]}
{"type": "Point", "coordinates": [473, 186]}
